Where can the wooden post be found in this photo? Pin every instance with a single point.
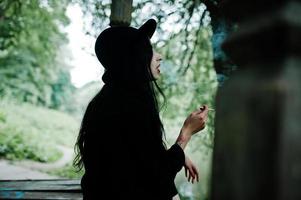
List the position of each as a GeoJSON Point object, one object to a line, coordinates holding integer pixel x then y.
{"type": "Point", "coordinates": [257, 152]}
{"type": "Point", "coordinates": [121, 11]}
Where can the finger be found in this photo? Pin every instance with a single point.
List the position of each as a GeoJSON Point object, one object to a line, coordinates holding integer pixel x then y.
{"type": "Point", "coordinates": [196, 112]}
{"type": "Point", "coordinates": [206, 115]}
{"type": "Point", "coordinates": [196, 173]}
{"type": "Point", "coordinates": [203, 115]}
{"type": "Point", "coordinates": [203, 124]}
{"type": "Point", "coordinates": [205, 112]}
{"type": "Point", "coordinates": [205, 118]}
{"type": "Point", "coordinates": [200, 110]}
{"type": "Point", "coordinates": [192, 180]}
{"type": "Point", "coordinates": [185, 172]}
{"type": "Point", "coordinates": [204, 109]}
{"type": "Point", "coordinates": [192, 174]}
{"type": "Point", "coordinates": [194, 177]}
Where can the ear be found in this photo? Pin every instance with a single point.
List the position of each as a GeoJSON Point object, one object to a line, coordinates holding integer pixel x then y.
{"type": "Point", "coordinates": [149, 27]}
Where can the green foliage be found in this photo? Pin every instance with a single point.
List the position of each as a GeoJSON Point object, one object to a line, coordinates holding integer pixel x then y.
{"type": "Point", "coordinates": [30, 132]}
{"type": "Point", "coordinates": [30, 39]}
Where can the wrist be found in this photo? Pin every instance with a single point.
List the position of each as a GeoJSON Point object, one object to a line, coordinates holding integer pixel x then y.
{"type": "Point", "coordinates": [183, 138]}
{"type": "Point", "coordinates": [185, 132]}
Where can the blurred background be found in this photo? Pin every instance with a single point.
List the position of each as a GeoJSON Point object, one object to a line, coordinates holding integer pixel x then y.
{"type": "Point", "coordinates": [49, 73]}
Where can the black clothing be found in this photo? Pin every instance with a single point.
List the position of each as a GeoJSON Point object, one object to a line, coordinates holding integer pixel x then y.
{"type": "Point", "coordinates": [123, 158]}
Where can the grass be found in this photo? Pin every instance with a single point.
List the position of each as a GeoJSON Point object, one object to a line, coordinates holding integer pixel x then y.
{"type": "Point", "coordinates": [67, 171]}
{"type": "Point", "coordinates": [31, 132]}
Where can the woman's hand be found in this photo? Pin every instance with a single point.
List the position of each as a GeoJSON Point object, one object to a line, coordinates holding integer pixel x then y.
{"type": "Point", "coordinates": [193, 123]}
{"type": "Point", "coordinates": [196, 121]}
{"type": "Point", "coordinates": [191, 169]}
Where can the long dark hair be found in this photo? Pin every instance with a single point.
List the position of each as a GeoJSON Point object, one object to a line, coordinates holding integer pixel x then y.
{"type": "Point", "coordinates": [133, 76]}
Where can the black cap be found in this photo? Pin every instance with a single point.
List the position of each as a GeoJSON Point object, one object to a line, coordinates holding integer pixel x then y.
{"type": "Point", "coordinates": [111, 43]}
{"type": "Point", "coordinates": [149, 27]}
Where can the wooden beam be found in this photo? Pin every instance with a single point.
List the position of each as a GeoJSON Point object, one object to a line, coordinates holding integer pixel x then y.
{"type": "Point", "coordinates": [41, 189]}
{"type": "Point", "coordinates": [121, 12]}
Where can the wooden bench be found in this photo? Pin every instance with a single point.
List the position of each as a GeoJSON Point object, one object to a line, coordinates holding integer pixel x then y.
{"type": "Point", "coordinates": [40, 189]}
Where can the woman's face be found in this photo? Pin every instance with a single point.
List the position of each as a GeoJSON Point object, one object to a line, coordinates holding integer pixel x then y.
{"type": "Point", "coordinates": [155, 64]}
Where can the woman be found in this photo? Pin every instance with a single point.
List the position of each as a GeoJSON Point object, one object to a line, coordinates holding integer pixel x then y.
{"type": "Point", "coordinates": [120, 142]}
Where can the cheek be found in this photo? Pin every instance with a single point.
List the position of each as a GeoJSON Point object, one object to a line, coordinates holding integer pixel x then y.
{"type": "Point", "coordinates": [153, 70]}
{"type": "Point", "coordinates": [153, 65]}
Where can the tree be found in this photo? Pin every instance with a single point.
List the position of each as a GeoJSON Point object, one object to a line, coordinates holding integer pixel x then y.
{"type": "Point", "coordinates": [30, 40]}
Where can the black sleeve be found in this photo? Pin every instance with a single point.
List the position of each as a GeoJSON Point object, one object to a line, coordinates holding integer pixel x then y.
{"type": "Point", "coordinates": [177, 160]}
{"type": "Point", "coordinates": [159, 165]}
{"type": "Point", "coordinates": [177, 157]}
